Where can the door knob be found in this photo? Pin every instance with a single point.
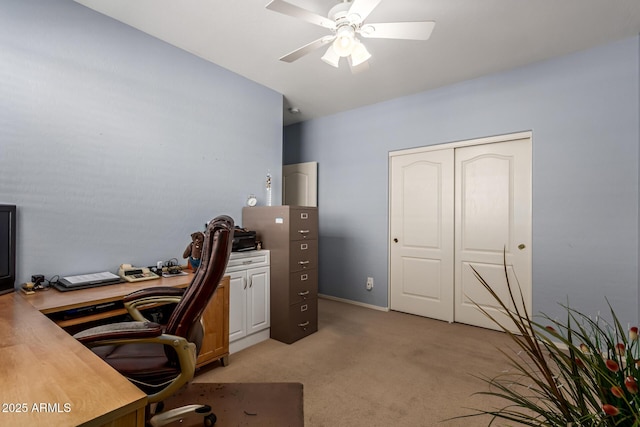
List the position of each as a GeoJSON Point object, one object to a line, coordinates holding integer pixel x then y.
{"type": "Point", "coordinates": [521, 246]}
{"type": "Point", "coordinates": [395, 240]}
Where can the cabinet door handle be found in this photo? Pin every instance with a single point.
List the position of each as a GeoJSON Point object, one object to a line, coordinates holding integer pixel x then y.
{"type": "Point", "coordinates": [250, 281]}
{"type": "Point", "coordinates": [245, 283]}
{"type": "Point", "coordinates": [302, 294]}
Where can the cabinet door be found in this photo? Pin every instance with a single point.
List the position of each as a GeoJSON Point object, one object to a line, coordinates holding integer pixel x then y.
{"type": "Point", "coordinates": [215, 322]}
{"type": "Point", "coordinates": [237, 305]}
{"type": "Point", "coordinates": [258, 317]}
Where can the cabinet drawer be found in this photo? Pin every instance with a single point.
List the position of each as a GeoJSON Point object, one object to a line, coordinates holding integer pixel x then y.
{"type": "Point", "coordinates": [243, 260]}
{"type": "Point", "coordinates": [303, 255]}
{"type": "Point", "coordinates": [303, 286]}
{"type": "Point", "coordinates": [304, 224]}
{"type": "Point", "coordinates": [304, 319]}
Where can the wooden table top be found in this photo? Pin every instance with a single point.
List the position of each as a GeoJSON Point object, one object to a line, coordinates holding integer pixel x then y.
{"type": "Point", "coordinates": [52, 301]}
{"type": "Point", "coordinates": [49, 378]}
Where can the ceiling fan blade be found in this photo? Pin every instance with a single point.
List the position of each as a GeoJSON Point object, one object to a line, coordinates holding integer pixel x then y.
{"type": "Point", "coordinates": [363, 8]}
{"type": "Point", "coordinates": [300, 13]}
{"type": "Point", "coordinates": [308, 48]}
{"type": "Point", "coordinates": [398, 30]}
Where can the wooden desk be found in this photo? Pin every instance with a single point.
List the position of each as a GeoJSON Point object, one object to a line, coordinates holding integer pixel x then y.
{"type": "Point", "coordinates": [54, 380]}
{"type": "Point", "coordinates": [54, 301]}
{"type": "Point", "coordinates": [42, 365]}
{"type": "Point", "coordinates": [215, 343]}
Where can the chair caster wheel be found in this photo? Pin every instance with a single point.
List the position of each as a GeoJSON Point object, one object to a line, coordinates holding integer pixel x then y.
{"type": "Point", "coordinates": [210, 420]}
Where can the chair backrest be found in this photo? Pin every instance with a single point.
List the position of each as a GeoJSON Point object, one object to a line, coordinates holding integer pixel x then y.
{"type": "Point", "coordinates": [185, 319]}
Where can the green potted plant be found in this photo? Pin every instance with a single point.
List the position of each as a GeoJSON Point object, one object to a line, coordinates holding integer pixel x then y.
{"type": "Point", "coordinates": [576, 372]}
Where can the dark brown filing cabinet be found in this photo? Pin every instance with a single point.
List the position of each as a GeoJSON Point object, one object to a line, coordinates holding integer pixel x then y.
{"type": "Point", "coordinates": [290, 233]}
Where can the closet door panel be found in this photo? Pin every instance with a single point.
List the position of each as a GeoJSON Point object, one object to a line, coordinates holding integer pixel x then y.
{"type": "Point", "coordinates": [421, 234]}
{"type": "Point", "coordinates": [493, 220]}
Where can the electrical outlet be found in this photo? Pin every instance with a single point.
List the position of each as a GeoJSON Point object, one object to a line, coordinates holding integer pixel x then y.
{"type": "Point", "coordinates": [369, 283]}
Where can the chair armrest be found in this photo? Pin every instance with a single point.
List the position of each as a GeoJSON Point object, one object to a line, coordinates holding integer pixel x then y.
{"type": "Point", "coordinates": [159, 295]}
{"type": "Point", "coordinates": [185, 350]}
{"type": "Point", "coordinates": [119, 331]}
{"type": "Point", "coordinates": [154, 292]}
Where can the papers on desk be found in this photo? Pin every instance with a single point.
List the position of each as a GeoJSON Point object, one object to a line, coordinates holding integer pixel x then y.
{"type": "Point", "coordinates": [81, 281]}
{"type": "Point", "coordinates": [105, 276]}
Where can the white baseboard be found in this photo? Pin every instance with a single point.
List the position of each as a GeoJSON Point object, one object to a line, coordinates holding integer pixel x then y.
{"type": "Point", "coordinates": [248, 341]}
{"type": "Point", "coordinates": [358, 303]}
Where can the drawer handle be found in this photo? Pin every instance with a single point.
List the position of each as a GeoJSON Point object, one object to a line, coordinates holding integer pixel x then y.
{"type": "Point", "coordinates": [303, 231]}
{"type": "Point", "coordinates": [304, 307]}
{"type": "Point", "coordinates": [303, 262]}
{"type": "Point", "coordinates": [304, 277]}
{"type": "Point", "coordinates": [304, 325]}
{"type": "Point", "coordinates": [302, 294]}
{"type": "Point", "coordinates": [247, 262]}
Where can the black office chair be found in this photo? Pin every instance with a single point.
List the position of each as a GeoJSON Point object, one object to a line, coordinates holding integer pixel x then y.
{"type": "Point", "coordinates": [161, 359]}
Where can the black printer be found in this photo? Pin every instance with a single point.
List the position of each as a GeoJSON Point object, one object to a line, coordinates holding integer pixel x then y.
{"type": "Point", "coordinates": [243, 240]}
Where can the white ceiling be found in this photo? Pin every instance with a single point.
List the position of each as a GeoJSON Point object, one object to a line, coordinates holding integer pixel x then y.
{"type": "Point", "coordinates": [471, 38]}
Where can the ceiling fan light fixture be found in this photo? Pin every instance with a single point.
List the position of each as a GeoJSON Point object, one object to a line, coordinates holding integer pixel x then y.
{"type": "Point", "coordinates": [331, 57]}
{"type": "Point", "coordinates": [359, 54]}
{"type": "Point", "coordinates": [345, 40]}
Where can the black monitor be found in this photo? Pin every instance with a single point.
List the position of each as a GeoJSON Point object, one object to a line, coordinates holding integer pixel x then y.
{"type": "Point", "coordinates": [7, 248]}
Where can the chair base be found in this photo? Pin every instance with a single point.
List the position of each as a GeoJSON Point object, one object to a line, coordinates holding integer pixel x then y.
{"type": "Point", "coordinates": [176, 414]}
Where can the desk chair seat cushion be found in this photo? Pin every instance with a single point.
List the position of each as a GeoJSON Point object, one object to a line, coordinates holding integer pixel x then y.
{"type": "Point", "coordinates": [146, 365]}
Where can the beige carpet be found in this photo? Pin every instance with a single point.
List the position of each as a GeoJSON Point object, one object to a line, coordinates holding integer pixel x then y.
{"type": "Point", "coordinates": [371, 368]}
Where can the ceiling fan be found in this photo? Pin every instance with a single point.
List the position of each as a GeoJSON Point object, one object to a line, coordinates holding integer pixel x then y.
{"type": "Point", "coordinates": [346, 21]}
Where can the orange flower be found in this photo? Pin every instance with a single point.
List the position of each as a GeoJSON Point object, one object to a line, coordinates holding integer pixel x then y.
{"type": "Point", "coordinates": [631, 385]}
{"type": "Point", "coordinates": [579, 363]}
{"type": "Point", "coordinates": [633, 333]}
{"type": "Point", "coordinates": [620, 349]}
{"type": "Point", "coordinates": [610, 409]}
{"type": "Point", "coordinates": [617, 391]}
{"type": "Point", "coordinates": [550, 329]}
{"type": "Point", "coordinates": [612, 365]}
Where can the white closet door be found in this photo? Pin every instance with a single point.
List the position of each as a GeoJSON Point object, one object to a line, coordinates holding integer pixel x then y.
{"type": "Point", "coordinates": [421, 234]}
{"type": "Point", "coordinates": [493, 214]}
{"type": "Point", "coordinates": [456, 207]}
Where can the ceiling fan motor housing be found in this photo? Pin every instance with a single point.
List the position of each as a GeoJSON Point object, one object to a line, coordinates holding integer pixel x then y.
{"type": "Point", "coordinates": [340, 14]}
{"type": "Point", "coordinates": [346, 27]}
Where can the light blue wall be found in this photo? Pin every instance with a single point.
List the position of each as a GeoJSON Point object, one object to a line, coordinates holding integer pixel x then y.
{"type": "Point", "coordinates": [584, 113]}
{"type": "Point", "coordinates": [116, 146]}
